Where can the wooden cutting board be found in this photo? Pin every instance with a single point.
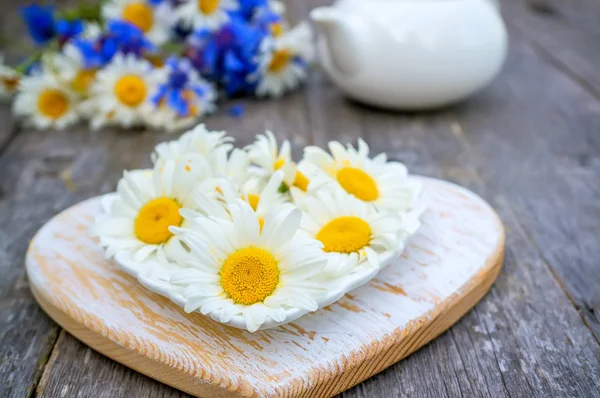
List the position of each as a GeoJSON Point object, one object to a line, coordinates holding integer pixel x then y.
{"type": "Point", "coordinates": [446, 269]}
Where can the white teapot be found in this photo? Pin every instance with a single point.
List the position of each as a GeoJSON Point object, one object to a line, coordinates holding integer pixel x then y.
{"type": "Point", "coordinates": [411, 54]}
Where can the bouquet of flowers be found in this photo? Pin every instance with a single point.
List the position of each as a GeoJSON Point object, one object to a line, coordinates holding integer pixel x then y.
{"type": "Point", "coordinates": [249, 237]}
{"type": "Point", "coordinates": [157, 63]}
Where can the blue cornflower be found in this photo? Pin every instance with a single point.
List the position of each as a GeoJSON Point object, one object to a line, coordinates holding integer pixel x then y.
{"type": "Point", "coordinates": [67, 29]}
{"type": "Point", "coordinates": [127, 38]}
{"type": "Point", "coordinates": [40, 22]}
{"type": "Point", "coordinates": [227, 55]}
{"type": "Point", "coordinates": [120, 37]}
{"type": "Point", "coordinates": [182, 86]}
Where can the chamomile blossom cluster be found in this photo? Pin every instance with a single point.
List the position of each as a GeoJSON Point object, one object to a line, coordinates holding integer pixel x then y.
{"type": "Point", "coordinates": [249, 237]}
{"type": "Point", "coordinates": [156, 63]}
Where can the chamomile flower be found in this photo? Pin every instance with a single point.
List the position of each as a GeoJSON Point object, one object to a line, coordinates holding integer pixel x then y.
{"type": "Point", "coordinates": [147, 205]}
{"type": "Point", "coordinates": [265, 154]}
{"type": "Point", "coordinates": [230, 165]}
{"type": "Point", "coordinates": [121, 93]}
{"type": "Point", "coordinates": [375, 181]}
{"type": "Point", "coordinates": [69, 66]}
{"type": "Point", "coordinates": [270, 20]}
{"type": "Point", "coordinates": [151, 17]}
{"type": "Point", "coordinates": [283, 62]}
{"type": "Point", "coordinates": [9, 80]}
{"type": "Point", "coordinates": [199, 140]}
{"type": "Point", "coordinates": [352, 232]}
{"type": "Point", "coordinates": [260, 196]}
{"type": "Point", "coordinates": [234, 269]}
{"type": "Point", "coordinates": [205, 14]}
{"type": "Point", "coordinates": [45, 101]}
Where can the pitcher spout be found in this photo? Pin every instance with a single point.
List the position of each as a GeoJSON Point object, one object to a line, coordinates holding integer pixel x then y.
{"type": "Point", "coordinates": [342, 39]}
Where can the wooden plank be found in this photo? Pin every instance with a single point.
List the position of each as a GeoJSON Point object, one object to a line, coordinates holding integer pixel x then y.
{"type": "Point", "coordinates": [567, 32]}
{"type": "Point", "coordinates": [42, 174]}
{"type": "Point", "coordinates": [524, 332]}
{"type": "Point", "coordinates": [86, 373]}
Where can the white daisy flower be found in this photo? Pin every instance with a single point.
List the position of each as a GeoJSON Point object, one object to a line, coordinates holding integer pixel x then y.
{"type": "Point", "coordinates": [265, 154]}
{"type": "Point", "coordinates": [69, 66]}
{"type": "Point", "coordinates": [283, 61]}
{"type": "Point", "coordinates": [353, 233]}
{"type": "Point", "coordinates": [260, 196]}
{"type": "Point", "coordinates": [198, 140]}
{"type": "Point", "coordinates": [155, 21]}
{"type": "Point", "coordinates": [376, 181]}
{"type": "Point", "coordinates": [121, 92]}
{"type": "Point", "coordinates": [45, 101]}
{"type": "Point", "coordinates": [205, 14]}
{"type": "Point", "coordinates": [234, 269]}
{"type": "Point", "coordinates": [147, 204]}
{"type": "Point", "coordinates": [9, 80]}
{"type": "Point", "coordinates": [233, 166]}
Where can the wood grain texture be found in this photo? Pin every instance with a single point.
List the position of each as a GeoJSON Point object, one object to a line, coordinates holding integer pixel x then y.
{"type": "Point", "coordinates": [547, 167]}
{"type": "Point", "coordinates": [447, 267]}
{"type": "Point", "coordinates": [566, 33]}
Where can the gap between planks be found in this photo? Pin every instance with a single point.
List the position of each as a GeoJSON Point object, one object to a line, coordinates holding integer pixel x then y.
{"type": "Point", "coordinates": [46, 366]}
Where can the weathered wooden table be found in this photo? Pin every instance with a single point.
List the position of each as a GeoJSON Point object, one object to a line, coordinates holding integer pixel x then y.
{"type": "Point", "coordinates": [529, 144]}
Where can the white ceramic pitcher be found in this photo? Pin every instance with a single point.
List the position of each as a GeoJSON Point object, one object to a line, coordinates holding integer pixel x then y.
{"type": "Point", "coordinates": [411, 54]}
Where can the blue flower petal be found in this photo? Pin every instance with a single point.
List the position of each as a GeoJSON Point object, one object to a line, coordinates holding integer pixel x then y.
{"type": "Point", "coordinates": [237, 110]}
{"type": "Point", "coordinates": [40, 22]}
{"type": "Point", "coordinates": [160, 94]}
{"type": "Point", "coordinates": [176, 102]}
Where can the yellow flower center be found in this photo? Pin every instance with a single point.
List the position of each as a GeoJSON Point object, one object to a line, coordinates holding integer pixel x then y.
{"type": "Point", "coordinates": [82, 80]}
{"type": "Point", "coordinates": [253, 200]}
{"type": "Point", "coordinates": [10, 83]}
{"type": "Point", "coordinates": [276, 29]}
{"type": "Point", "coordinates": [345, 234]}
{"type": "Point", "coordinates": [140, 15]}
{"type": "Point", "coordinates": [249, 275]}
{"type": "Point", "coordinates": [281, 58]}
{"type": "Point", "coordinates": [358, 183]}
{"type": "Point", "coordinates": [53, 104]}
{"type": "Point", "coordinates": [301, 181]}
{"type": "Point", "coordinates": [154, 219]}
{"type": "Point", "coordinates": [278, 163]}
{"type": "Point", "coordinates": [130, 90]}
{"type": "Point", "coordinates": [208, 6]}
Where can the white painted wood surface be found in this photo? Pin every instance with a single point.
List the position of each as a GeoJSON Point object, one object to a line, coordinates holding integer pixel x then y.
{"type": "Point", "coordinates": [448, 265]}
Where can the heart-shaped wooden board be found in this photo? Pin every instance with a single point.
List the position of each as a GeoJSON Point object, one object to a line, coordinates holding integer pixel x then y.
{"type": "Point", "coordinates": [445, 270]}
